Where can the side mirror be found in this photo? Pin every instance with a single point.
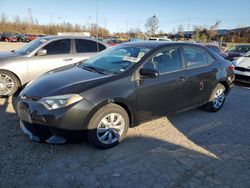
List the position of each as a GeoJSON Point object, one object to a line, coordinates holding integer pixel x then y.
{"type": "Point", "coordinates": [148, 73]}
{"type": "Point", "coordinates": [41, 52]}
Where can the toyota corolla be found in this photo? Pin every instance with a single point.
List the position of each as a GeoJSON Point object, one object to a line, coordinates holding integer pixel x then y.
{"type": "Point", "coordinates": [122, 87]}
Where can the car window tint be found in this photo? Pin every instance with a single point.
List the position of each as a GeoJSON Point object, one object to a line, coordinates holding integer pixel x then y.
{"type": "Point", "coordinates": [101, 47]}
{"type": "Point", "coordinates": [85, 46]}
{"type": "Point", "coordinates": [58, 47]}
{"type": "Point", "coordinates": [247, 54]}
{"type": "Point", "coordinates": [214, 48]}
{"type": "Point", "coordinates": [195, 56]}
{"type": "Point", "coordinates": [167, 60]}
{"type": "Point", "coordinates": [210, 58]}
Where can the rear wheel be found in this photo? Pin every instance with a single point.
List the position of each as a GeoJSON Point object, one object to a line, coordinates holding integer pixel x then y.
{"type": "Point", "coordinates": [8, 83]}
{"type": "Point", "coordinates": [217, 99]}
{"type": "Point", "coordinates": [108, 126]}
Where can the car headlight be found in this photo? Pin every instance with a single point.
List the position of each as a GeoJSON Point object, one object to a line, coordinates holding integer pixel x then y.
{"type": "Point", "coordinates": [55, 102]}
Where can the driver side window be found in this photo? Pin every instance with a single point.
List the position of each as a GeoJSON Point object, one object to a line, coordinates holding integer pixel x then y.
{"type": "Point", "coordinates": [166, 60]}
{"type": "Point", "coordinates": [58, 47]}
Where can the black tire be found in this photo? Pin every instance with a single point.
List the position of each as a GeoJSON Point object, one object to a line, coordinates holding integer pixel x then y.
{"type": "Point", "coordinates": [96, 119]}
{"type": "Point", "coordinates": [15, 81]}
{"type": "Point", "coordinates": [210, 106]}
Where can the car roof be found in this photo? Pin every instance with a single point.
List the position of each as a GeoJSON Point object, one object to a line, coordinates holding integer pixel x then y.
{"type": "Point", "coordinates": [156, 44]}
{"type": "Point", "coordinates": [50, 37]}
{"type": "Point", "coordinates": [72, 37]}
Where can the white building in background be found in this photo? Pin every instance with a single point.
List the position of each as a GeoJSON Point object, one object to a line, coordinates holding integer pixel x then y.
{"type": "Point", "coordinates": [84, 34]}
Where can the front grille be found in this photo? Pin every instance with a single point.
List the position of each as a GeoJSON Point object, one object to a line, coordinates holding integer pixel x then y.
{"type": "Point", "coordinates": [242, 69]}
{"type": "Point", "coordinates": [41, 131]}
{"type": "Point", "coordinates": [242, 78]}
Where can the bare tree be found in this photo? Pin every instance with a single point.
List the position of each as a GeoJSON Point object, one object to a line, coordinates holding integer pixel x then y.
{"type": "Point", "coordinates": [152, 24]}
{"type": "Point", "coordinates": [181, 30]}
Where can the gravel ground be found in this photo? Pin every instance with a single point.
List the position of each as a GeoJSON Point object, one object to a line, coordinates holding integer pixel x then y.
{"type": "Point", "coordinates": [190, 149]}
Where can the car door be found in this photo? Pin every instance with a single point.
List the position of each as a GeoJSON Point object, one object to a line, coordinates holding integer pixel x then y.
{"type": "Point", "coordinates": [201, 71]}
{"type": "Point", "coordinates": [164, 94]}
{"type": "Point", "coordinates": [84, 49]}
{"type": "Point", "coordinates": [58, 54]}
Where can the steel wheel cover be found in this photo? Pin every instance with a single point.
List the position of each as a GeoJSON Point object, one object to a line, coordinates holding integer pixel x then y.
{"type": "Point", "coordinates": [219, 98]}
{"type": "Point", "coordinates": [110, 128]}
{"type": "Point", "coordinates": [6, 84]}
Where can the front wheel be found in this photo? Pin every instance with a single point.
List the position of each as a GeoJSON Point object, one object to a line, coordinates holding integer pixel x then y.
{"type": "Point", "coordinates": [108, 126]}
{"type": "Point", "coordinates": [217, 99]}
{"type": "Point", "coordinates": [9, 83]}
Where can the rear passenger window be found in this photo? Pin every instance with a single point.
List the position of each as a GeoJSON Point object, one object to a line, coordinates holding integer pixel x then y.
{"type": "Point", "coordinates": [101, 47]}
{"type": "Point", "coordinates": [85, 46]}
{"type": "Point", "coordinates": [195, 56]}
{"type": "Point", "coordinates": [58, 47]}
{"type": "Point", "coordinates": [166, 60]}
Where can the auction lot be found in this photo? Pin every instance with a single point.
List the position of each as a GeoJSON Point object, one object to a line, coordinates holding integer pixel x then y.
{"type": "Point", "coordinates": [191, 149]}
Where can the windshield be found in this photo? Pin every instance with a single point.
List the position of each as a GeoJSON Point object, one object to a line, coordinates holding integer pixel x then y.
{"type": "Point", "coordinates": [31, 46]}
{"type": "Point", "coordinates": [243, 49]}
{"type": "Point", "coordinates": [117, 59]}
{"type": "Point", "coordinates": [247, 54]}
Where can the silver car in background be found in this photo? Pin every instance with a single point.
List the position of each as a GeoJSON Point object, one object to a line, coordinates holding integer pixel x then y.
{"type": "Point", "coordinates": [242, 68]}
{"type": "Point", "coordinates": [21, 66]}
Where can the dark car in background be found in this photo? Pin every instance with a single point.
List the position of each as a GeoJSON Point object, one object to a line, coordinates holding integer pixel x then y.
{"type": "Point", "coordinates": [32, 37]}
{"type": "Point", "coordinates": [22, 38]}
{"type": "Point", "coordinates": [121, 87]}
{"type": "Point", "coordinates": [217, 50]}
{"type": "Point", "coordinates": [18, 67]}
{"type": "Point", "coordinates": [237, 51]}
{"type": "Point", "coordinates": [8, 37]}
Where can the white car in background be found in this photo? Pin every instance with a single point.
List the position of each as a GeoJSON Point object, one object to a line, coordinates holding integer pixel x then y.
{"type": "Point", "coordinates": [242, 68]}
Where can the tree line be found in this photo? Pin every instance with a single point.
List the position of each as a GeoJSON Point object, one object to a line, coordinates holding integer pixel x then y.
{"type": "Point", "coordinates": [30, 25]}
{"type": "Point", "coordinates": [199, 33]}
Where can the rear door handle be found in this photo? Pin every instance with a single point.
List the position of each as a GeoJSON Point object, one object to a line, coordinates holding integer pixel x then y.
{"type": "Point", "coordinates": [214, 70]}
{"type": "Point", "coordinates": [182, 79]}
{"type": "Point", "coordinates": [68, 59]}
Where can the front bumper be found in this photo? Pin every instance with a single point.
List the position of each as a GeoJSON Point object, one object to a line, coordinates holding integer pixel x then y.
{"type": "Point", "coordinates": [52, 126]}
{"type": "Point", "coordinates": [242, 76]}
{"type": "Point", "coordinates": [50, 135]}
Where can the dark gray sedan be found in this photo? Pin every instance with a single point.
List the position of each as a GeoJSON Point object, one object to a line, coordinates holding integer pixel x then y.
{"type": "Point", "coordinates": [121, 87]}
{"type": "Point", "coordinates": [21, 66]}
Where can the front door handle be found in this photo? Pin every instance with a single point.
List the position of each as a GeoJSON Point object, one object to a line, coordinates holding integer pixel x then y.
{"type": "Point", "coordinates": [68, 59]}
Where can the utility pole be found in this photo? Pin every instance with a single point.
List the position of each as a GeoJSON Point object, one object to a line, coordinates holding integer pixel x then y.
{"type": "Point", "coordinates": [127, 26]}
{"type": "Point", "coordinates": [97, 27]}
{"type": "Point", "coordinates": [60, 20]}
{"type": "Point", "coordinates": [30, 16]}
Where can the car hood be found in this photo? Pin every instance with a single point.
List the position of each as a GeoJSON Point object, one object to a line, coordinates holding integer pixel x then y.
{"type": "Point", "coordinates": [65, 80]}
{"type": "Point", "coordinates": [6, 55]}
{"type": "Point", "coordinates": [243, 62]}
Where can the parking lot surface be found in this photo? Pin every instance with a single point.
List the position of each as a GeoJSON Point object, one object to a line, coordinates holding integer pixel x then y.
{"type": "Point", "coordinates": [191, 149]}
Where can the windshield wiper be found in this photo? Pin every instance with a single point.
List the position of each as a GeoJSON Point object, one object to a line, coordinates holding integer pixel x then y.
{"type": "Point", "coordinates": [93, 69]}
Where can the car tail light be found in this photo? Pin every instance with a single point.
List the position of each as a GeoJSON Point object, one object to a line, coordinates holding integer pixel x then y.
{"type": "Point", "coordinates": [231, 68]}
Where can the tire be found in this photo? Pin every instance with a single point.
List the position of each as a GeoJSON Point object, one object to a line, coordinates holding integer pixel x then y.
{"type": "Point", "coordinates": [103, 133]}
{"type": "Point", "coordinates": [217, 99]}
{"type": "Point", "coordinates": [9, 83]}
